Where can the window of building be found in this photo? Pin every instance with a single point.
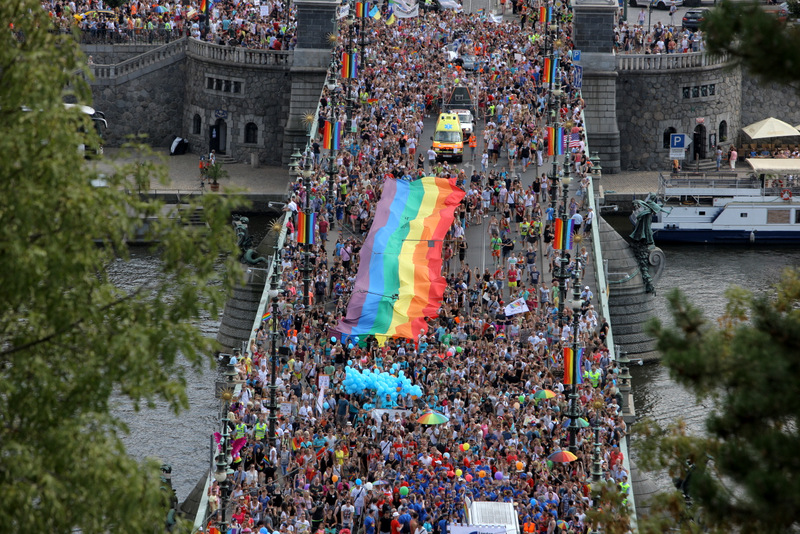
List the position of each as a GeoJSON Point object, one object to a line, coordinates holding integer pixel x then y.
{"type": "Point", "coordinates": [219, 84]}
{"type": "Point", "coordinates": [251, 133]}
{"type": "Point", "coordinates": [797, 216]}
{"type": "Point", "coordinates": [723, 131]}
{"type": "Point", "coordinates": [197, 125]}
{"type": "Point", "coordinates": [743, 215]}
{"type": "Point", "coordinates": [669, 131]}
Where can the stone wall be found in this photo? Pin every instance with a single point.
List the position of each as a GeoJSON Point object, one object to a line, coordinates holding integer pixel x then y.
{"type": "Point", "coordinates": [763, 100]}
{"type": "Point", "coordinates": [150, 104]}
{"type": "Point", "coordinates": [262, 100]}
{"type": "Point", "coordinates": [650, 102]}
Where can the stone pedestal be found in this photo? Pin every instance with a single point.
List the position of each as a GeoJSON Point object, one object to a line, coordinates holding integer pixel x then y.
{"type": "Point", "coordinates": [594, 33]}
{"type": "Point", "coordinates": [316, 21]}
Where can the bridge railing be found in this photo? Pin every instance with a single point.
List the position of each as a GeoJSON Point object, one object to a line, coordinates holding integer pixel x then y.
{"type": "Point", "coordinates": [253, 57]}
{"type": "Point", "coordinates": [141, 61]}
{"type": "Point", "coordinates": [657, 62]}
{"type": "Point", "coordinates": [602, 289]}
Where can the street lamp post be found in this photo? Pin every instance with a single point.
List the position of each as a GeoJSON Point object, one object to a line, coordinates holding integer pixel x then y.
{"type": "Point", "coordinates": [273, 375]}
{"type": "Point", "coordinates": [223, 456]}
{"type": "Point", "coordinates": [561, 271]}
{"type": "Point", "coordinates": [573, 410]}
{"type": "Point", "coordinates": [307, 173]}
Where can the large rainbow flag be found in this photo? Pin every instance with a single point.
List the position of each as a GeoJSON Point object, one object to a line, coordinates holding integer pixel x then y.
{"type": "Point", "coordinates": [399, 280]}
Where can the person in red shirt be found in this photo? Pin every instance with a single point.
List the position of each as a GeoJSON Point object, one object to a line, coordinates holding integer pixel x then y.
{"type": "Point", "coordinates": [395, 523]}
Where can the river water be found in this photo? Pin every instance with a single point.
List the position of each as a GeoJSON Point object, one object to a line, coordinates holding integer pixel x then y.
{"type": "Point", "coordinates": [702, 272]}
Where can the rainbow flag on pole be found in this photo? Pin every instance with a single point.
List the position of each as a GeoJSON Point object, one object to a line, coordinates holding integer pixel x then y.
{"type": "Point", "coordinates": [546, 71]}
{"type": "Point", "coordinates": [305, 227]}
{"type": "Point", "coordinates": [551, 141]}
{"type": "Point", "coordinates": [559, 141]}
{"type": "Point", "coordinates": [399, 280]}
{"type": "Point", "coordinates": [564, 234]}
{"type": "Point", "coordinates": [572, 367]}
{"type": "Point", "coordinates": [332, 135]}
{"type": "Point", "coordinates": [362, 9]}
{"type": "Point", "coordinates": [349, 64]}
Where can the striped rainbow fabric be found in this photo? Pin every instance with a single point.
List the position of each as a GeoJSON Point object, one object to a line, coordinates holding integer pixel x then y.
{"type": "Point", "coordinates": [546, 71]}
{"type": "Point", "coordinates": [305, 227]}
{"type": "Point", "coordinates": [362, 8]}
{"type": "Point", "coordinates": [332, 135]}
{"type": "Point", "coordinates": [564, 234]}
{"type": "Point", "coordinates": [572, 367]}
{"type": "Point", "coordinates": [349, 64]}
{"type": "Point", "coordinates": [399, 280]}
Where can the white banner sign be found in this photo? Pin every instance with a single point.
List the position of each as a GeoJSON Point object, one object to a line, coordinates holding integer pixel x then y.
{"type": "Point", "coordinates": [324, 382]}
{"type": "Point", "coordinates": [518, 306]}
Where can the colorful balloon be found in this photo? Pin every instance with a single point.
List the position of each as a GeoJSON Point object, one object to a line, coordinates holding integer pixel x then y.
{"type": "Point", "coordinates": [468, 478]}
{"type": "Point", "coordinates": [358, 482]}
{"type": "Point", "coordinates": [482, 474]}
{"type": "Point", "coordinates": [404, 491]}
{"type": "Point", "coordinates": [498, 475]}
{"type": "Point", "coordinates": [466, 447]}
{"type": "Point", "coordinates": [335, 479]}
{"type": "Point", "coordinates": [520, 465]}
{"type": "Point", "coordinates": [459, 472]}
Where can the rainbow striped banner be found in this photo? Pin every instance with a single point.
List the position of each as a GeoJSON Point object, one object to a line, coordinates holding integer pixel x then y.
{"type": "Point", "coordinates": [332, 135]}
{"type": "Point", "coordinates": [572, 367]}
{"type": "Point", "coordinates": [542, 14]}
{"type": "Point", "coordinates": [349, 64]}
{"type": "Point", "coordinates": [305, 227]}
{"type": "Point", "coordinates": [399, 281]}
{"type": "Point", "coordinates": [564, 234]}
{"type": "Point", "coordinates": [559, 141]}
{"type": "Point", "coordinates": [362, 9]}
{"type": "Point", "coordinates": [546, 71]}
{"type": "Point", "coordinates": [551, 141]}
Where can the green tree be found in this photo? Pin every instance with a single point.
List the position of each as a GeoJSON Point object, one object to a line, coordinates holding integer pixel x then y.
{"type": "Point", "coordinates": [744, 472]}
{"type": "Point", "coordinates": [68, 337]}
{"type": "Point", "coordinates": [765, 45]}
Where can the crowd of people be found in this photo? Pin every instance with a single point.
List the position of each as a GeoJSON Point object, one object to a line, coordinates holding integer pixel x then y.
{"type": "Point", "coordinates": [345, 462]}
{"type": "Point", "coordinates": [636, 38]}
{"type": "Point", "coordinates": [256, 25]}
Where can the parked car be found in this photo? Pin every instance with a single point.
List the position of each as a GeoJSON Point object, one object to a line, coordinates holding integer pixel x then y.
{"type": "Point", "coordinates": [655, 4]}
{"type": "Point", "coordinates": [693, 18]}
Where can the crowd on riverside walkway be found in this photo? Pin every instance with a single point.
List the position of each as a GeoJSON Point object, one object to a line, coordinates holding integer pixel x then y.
{"type": "Point", "coordinates": [635, 38]}
{"type": "Point", "coordinates": [258, 25]}
{"type": "Point", "coordinates": [347, 463]}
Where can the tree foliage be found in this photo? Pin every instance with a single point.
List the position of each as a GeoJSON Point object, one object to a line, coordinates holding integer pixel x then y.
{"type": "Point", "coordinates": [68, 337]}
{"type": "Point", "coordinates": [765, 45]}
{"type": "Point", "coordinates": [745, 470]}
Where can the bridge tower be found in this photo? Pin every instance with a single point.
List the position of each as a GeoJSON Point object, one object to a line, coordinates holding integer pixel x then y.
{"type": "Point", "coordinates": [594, 34]}
{"type": "Point", "coordinates": [316, 20]}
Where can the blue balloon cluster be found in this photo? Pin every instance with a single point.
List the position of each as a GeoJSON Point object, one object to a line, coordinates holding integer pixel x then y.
{"type": "Point", "coordinates": [383, 384]}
